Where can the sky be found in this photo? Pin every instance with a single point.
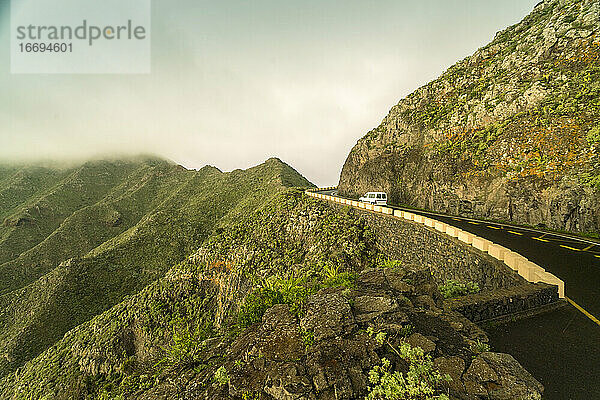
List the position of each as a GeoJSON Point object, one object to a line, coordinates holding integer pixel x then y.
{"type": "Point", "coordinates": [233, 83]}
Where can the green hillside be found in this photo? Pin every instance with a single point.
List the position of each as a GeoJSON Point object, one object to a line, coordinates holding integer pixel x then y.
{"type": "Point", "coordinates": [18, 186]}
{"type": "Point", "coordinates": [45, 202]}
{"type": "Point", "coordinates": [106, 230]}
{"type": "Point", "coordinates": [292, 301]}
{"type": "Point", "coordinates": [117, 352]}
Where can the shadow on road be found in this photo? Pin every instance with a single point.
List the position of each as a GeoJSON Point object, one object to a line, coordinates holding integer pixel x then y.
{"type": "Point", "coordinates": [560, 348]}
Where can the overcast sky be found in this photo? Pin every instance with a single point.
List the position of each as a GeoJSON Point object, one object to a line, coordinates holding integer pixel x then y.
{"type": "Point", "coordinates": [236, 82]}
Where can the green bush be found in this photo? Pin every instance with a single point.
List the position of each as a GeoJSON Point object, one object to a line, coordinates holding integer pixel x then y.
{"type": "Point", "coordinates": [452, 289]}
{"type": "Point", "coordinates": [291, 291]}
{"type": "Point", "coordinates": [221, 376]}
{"type": "Point", "coordinates": [383, 262]}
{"type": "Point", "coordinates": [256, 304]}
{"type": "Point", "coordinates": [590, 179]}
{"type": "Point", "coordinates": [379, 336]}
{"type": "Point", "coordinates": [186, 344]}
{"type": "Point", "coordinates": [332, 277]}
{"type": "Point", "coordinates": [480, 347]}
{"type": "Point", "coordinates": [406, 330]}
{"type": "Point", "coordinates": [295, 291]}
{"type": "Point", "coordinates": [593, 136]}
{"type": "Point", "coordinates": [420, 382]}
{"type": "Point", "coordinates": [308, 337]}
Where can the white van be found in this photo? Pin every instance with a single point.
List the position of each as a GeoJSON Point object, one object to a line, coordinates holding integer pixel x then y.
{"type": "Point", "coordinates": [376, 198]}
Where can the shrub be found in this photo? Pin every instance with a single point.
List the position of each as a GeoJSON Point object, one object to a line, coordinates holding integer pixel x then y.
{"type": "Point", "coordinates": [452, 289]}
{"type": "Point", "coordinates": [221, 376]}
{"type": "Point", "coordinates": [333, 278]}
{"type": "Point", "coordinates": [418, 383]}
{"type": "Point", "coordinates": [406, 330]}
{"type": "Point", "coordinates": [291, 291]}
{"type": "Point", "coordinates": [256, 303]}
{"type": "Point", "coordinates": [593, 136]}
{"type": "Point", "coordinates": [590, 179]}
{"type": "Point", "coordinates": [186, 344]}
{"type": "Point", "coordinates": [480, 347]}
{"type": "Point", "coordinates": [380, 337]}
{"type": "Point", "coordinates": [388, 263]}
{"type": "Point", "coordinates": [308, 337]}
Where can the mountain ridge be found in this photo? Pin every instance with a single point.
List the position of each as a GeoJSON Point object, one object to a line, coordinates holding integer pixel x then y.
{"type": "Point", "coordinates": [153, 215]}
{"type": "Point", "coordinates": [295, 299]}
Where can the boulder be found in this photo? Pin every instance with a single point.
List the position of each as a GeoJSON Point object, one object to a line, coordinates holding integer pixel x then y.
{"type": "Point", "coordinates": [328, 314]}
{"type": "Point", "coordinates": [500, 377]}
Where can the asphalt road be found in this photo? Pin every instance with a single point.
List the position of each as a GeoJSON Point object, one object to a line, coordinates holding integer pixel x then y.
{"type": "Point", "coordinates": [576, 261]}
{"type": "Point", "coordinates": [561, 348]}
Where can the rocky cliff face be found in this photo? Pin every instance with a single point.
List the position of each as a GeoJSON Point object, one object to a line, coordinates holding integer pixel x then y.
{"type": "Point", "coordinates": [351, 331]}
{"type": "Point", "coordinates": [511, 133]}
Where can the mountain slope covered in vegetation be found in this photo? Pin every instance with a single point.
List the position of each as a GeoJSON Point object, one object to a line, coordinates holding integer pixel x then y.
{"type": "Point", "coordinates": [510, 133]}
{"type": "Point", "coordinates": [99, 232]}
{"type": "Point", "coordinates": [293, 301]}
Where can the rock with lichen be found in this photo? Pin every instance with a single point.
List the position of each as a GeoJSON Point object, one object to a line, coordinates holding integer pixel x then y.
{"type": "Point", "coordinates": [509, 133]}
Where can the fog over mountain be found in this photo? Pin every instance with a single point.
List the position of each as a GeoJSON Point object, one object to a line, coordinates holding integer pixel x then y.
{"type": "Point", "coordinates": [234, 83]}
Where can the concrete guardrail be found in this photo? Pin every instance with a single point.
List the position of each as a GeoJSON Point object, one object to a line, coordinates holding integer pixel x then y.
{"type": "Point", "coordinates": [524, 267]}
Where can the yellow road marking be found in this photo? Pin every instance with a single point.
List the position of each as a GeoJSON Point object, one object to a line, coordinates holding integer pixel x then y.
{"type": "Point", "coordinates": [589, 247]}
{"type": "Point", "coordinates": [570, 248]}
{"type": "Point", "coordinates": [456, 219]}
{"type": "Point", "coordinates": [494, 227]}
{"type": "Point", "coordinates": [587, 314]}
{"type": "Point", "coordinates": [516, 233]}
{"type": "Point", "coordinates": [473, 223]}
{"type": "Point", "coordinates": [543, 236]}
{"type": "Point", "coordinates": [541, 240]}
{"type": "Point", "coordinates": [596, 255]}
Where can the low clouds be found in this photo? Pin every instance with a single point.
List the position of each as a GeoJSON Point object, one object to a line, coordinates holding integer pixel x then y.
{"type": "Point", "coordinates": [234, 83]}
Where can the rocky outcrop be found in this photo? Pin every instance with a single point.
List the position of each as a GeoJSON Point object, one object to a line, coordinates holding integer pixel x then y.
{"type": "Point", "coordinates": [500, 376]}
{"type": "Point", "coordinates": [275, 360]}
{"type": "Point", "coordinates": [510, 133]}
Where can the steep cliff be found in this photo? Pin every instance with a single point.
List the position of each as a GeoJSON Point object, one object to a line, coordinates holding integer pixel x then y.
{"type": "Point", "coordinates": [511, 133]}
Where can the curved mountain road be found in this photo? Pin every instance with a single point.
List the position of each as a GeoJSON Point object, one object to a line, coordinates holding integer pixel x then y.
{"type": "Point", "coordinates": [573, 259]}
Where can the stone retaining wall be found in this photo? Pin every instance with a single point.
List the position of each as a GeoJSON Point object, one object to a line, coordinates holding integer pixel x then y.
{"type": "Point", "coordinates": [434, 252]}
{"type": "Point", "coordinates": [447, 257]}
{"type": "Point", "coordinates": [483, 306]}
